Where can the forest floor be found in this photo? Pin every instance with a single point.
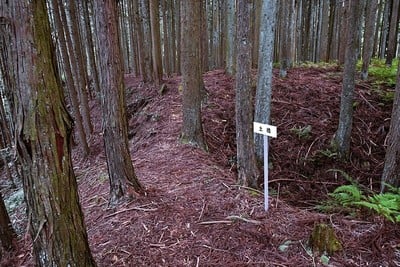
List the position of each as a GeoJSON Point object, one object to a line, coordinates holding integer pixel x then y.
{"type": "Point", "coordinates": [194, 213]}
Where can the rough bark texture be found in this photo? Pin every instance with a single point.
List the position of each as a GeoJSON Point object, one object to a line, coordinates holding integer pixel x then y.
{"type": "Point", "coordinates": [147, 74]}
{"type": "Point", "coordinates": [393, 32]}
{"type": "Point", "coordinates": [115, 131]}
{"type": "Point", "coordinates": [43, 142]}
{"type": "Point", "coordinates": [369, 36]}
{"type": "Point", "coordinates": [285, 37]}
{"type": "Point", "coordinates": [265, 60]}
{"type": "Point", "coordinates": [391, 170]}
{"type": "Point", "coordinates": [343, 133]}
{"type": "Point", "coordinates": [70, 85]}
{"type": "Point", "coordinates": [192, 129]}
{"type": "Point", "coordinates": [156, 41]}
{"type": "Point", "coordinates": [230, 37]}
{"type": "Point", "coordinates": [81, 72]}
{"type": "Point", "coordinates": [246, 161]}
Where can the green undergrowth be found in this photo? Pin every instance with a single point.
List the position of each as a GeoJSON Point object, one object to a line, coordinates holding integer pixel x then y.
{"type": "Point", "coordinates": [382, 74]}
{"type": "Point", "coordinates": [382, 79]}
{"type": "Point", "coordinates": [352, 199]}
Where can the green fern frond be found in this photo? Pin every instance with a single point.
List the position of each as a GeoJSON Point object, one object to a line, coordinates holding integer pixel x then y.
{"type": "Point", "coordinates": [347, 194]}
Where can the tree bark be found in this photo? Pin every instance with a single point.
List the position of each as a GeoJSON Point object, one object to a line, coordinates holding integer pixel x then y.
{"type": "Point", "coordinates": [43, 143]}
{"type": "Point", "coordinates": [369, 36]}
{"type": "Point", "coordinates": [147, 43]}
{"type": "Point", "coordinates": [156, 41]}
{"type": "Point", "coordinates": [393, 32]}
{"type": "Point", "coordinates": [81, 71]}
{"type": "Point", "coordinates": [343, 133]}
{"type": "Point", "coordinates": [63, 39]}
{"type": "Point", "coordinates": [121, 173]}
{"type": "Point", "coordinates": [265, 61]}
{"type": "Point", "coordinates": [285, 37]}
{"type": "Point", "coordinates": [248, 173]}
{"type": "Point", "coordinates": [391, 170]}
{"type": "Point", "coordinates": [192, 128]}
{"type": "Point", "coordinates": [230, 40]}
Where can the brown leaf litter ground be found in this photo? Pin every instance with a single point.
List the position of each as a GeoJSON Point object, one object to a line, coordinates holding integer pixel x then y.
{"type": "Point", "coordinates": [194, 214]}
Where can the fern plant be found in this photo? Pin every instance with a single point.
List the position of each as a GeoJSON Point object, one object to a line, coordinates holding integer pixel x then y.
{"type": "Point", "coordinates": [352, 197]}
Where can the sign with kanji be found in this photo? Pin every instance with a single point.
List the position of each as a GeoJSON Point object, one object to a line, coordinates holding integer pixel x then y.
{"type": "Point", "coordinates": [266, 130]}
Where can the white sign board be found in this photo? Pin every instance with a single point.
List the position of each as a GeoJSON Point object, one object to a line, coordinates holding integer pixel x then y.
{"type": "Point", "coordinates": [266, 130]}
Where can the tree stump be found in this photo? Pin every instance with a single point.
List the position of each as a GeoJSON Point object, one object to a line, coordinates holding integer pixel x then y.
{"type": "Point", "coordinates": [323, 240]}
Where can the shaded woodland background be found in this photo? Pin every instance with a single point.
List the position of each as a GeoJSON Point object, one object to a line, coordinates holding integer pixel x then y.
{"type": "Point", "coordinates": [128, 127]}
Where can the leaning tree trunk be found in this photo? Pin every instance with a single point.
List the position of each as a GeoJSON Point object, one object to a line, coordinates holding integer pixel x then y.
{"type": "Point", "coordinates": [121, 173]}
{"type": "Point", "coordinates": [391, 170]}
{"type": "Point", "coordinates": [43, 143]}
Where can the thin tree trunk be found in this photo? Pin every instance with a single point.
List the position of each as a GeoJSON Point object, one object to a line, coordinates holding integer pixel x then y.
{"type": "Point", "coordinates": [393, 32]}
{"type": "Point", "coordinates": [156, 41]}
{"type": "Point", "coordinates": [343, 133]}
{"type": "Point", "coordinates": [231, 34]}
{"type": "Point", "coordinates": [147, 43]}
{"type": "Point", "coordinates": [385, 29]}
{"type": "Point", "coordinates": [370, 20]}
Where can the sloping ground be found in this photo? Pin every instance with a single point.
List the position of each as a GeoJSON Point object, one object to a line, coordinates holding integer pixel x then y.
{"type": "Point", "coordinates": [195, 215]}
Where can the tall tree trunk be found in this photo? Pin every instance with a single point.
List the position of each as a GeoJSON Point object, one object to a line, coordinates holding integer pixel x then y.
{"type": "Point", "coordinates": [324, 39]}
{"type": "Point", "coordinates": [79, 64]}
{"type": "Point", "coordinates": [385, 29]}
{"type": "Point", "coordinates": [156, 41]}
{"type": "Point", "coordinates": [248, 173]}
{"type": "Point", "coordinates": [121, 173]}
{"type": "Point", "coordinates": [369, 36]}
{"type": "Point", "coordinates": [192, 129]}
{"type": "Point", "coordinates": [393, 32]}
{"type": "Point", "coordinates": [391, 170]}
{"type": "Point", "coordinates": [43, 143]}
{"type": "Point", "coordinates": [230, 40]}
{"type": "Point", "coordinates": [203, 38]}
{"type": "Point", "coordinates": [63, 39]}
{"type": "Point", "coordinates": [91, 48]}
{"type": "Point", "coordinates": [141, 50]}
{"type": "Point", "coordinates": [343, 133]}
{"type": "Point", "coordinates": [265, 60]}
{"type": "Point", "coordinates": [285, 37]}
{"type": "Point", "coordinates": [177, 14]}
{"type": "Point", "coordinates": [147, 75]}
